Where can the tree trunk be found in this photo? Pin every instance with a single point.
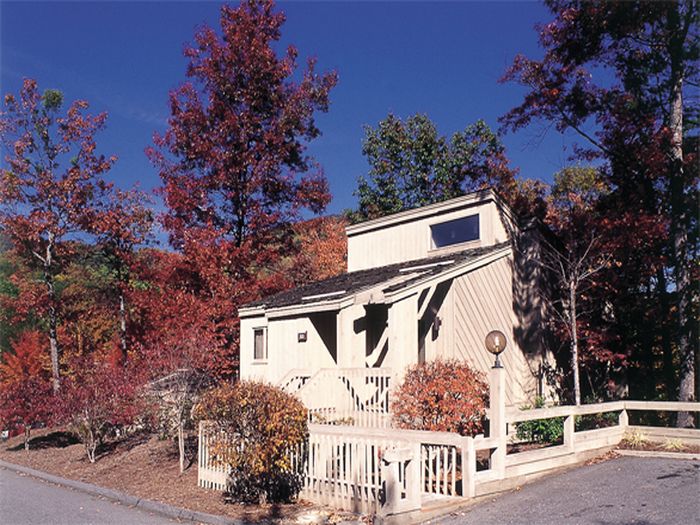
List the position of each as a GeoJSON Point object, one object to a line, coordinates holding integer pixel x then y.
{"type": "Point", "coordinates": [53, 321]}
{"type": "Point", "coordinates": [122, 326]}
{"type": "Point", "coordinates": [679, 217]}
{"type": "Point", "coordinates": [181, 443]}
{"type": "Point", "coordinates": [27, 431]}
{"type": "Point", "coordinates": [574, 342]}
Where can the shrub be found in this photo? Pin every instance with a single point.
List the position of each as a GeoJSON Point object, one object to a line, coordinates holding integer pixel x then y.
{"type": "Point", "coordinates": [254, 427]}
{"type": "Point", "coordinates": [549, 430]}
{"type": "Point", "coordinates": [447, 396]}
{"type": "Point", "coordinates": [96, 400]}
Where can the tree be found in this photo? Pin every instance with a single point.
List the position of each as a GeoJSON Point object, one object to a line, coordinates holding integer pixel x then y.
{"type": "Point", "coordinates": [179, 356]}
{"type": "Point", "coordinates": [25, 392]}
{"type": "Point", "coordinates": [411, 165]}
{"type": "Point", "coordinates": [641, 119]}
{"type": "Point", "coordinates": [577, 254]}
{"type": "Point", "coordinates": [122, 223]}
{"type": "Point", "coordinates": [321, 249]}
{"type": "Point", "coordinates": [233, 161]}
{"type": "Point", "coordinates": [51, 179]}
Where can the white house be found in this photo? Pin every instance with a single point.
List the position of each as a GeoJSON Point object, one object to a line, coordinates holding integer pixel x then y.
{"type": "Point", "coordinates": [422, 284]}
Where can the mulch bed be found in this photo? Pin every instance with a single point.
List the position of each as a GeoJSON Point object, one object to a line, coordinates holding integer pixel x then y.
{"type": "Point", "coordinates": [659, 447]}
{"type": "Point", "coordinates": [140, 465]}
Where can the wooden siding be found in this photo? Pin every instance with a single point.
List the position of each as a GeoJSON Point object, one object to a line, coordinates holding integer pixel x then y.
{"type": "Point", "coordinates": [477, 303]}
{"type": "Point", "coordinates": [284, 351]}
{"type": "Point", "coordinates": [411, 240]}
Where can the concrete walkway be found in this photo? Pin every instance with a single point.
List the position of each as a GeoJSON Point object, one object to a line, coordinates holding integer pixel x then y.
{"type": "Point", "coordinates": [622, 491]}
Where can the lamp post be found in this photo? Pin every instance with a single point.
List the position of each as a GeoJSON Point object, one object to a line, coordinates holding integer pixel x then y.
{"type": "Point", "coordinates": [495, 343]}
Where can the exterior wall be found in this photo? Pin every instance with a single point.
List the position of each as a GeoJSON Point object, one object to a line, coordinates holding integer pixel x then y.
{"type": "Point", "coordinates": [403, 336]}
{"type": "Point", "coordinates": [411, 239]}
{"type": "Point", "coordinates": [284, 352]}
{"type": "Point", "coordinates": [477, 303]}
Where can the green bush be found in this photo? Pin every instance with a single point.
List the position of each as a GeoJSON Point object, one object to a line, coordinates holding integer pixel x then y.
{"type": "Point", "coordinates": [253, 427]}
{"type": "Point", "coordinates": [548, 431]}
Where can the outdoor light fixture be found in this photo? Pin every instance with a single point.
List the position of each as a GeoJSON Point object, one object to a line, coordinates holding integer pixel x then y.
{"type": "Point", "coordinates": [301, 337]}
{"type": "Point", "coordinates": [495, 343]}
{"type": "Point", "coordinates": [437, 323]}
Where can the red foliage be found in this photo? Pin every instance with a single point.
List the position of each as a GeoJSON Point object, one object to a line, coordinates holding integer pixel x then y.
{"type": "Point", "coordinates": [50, 185]}
{"type": "Point", "coordinates": [96, 398]}
{"type": "Point", "coordinates": [441, 396]}
{"type": "Point", "coordinates": [25, 392]}
{"type": "Point", "coordinates": [233, 161]}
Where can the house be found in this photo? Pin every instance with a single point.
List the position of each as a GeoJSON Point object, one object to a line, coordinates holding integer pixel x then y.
{"type": "Point", "coordinates": [422, 284]}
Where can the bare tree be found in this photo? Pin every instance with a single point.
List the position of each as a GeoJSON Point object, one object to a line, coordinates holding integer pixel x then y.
{"type": "Point", "coordinates": [175, 395]}
{"type": "Point", "coordinates": [572, 266]}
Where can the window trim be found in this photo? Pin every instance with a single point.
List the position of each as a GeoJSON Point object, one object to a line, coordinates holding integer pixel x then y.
{"type": "Point", "coordinates": [263, 359]}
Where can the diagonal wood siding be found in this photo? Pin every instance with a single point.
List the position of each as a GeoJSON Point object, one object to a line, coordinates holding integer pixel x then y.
{"type": "Point", "coordinates": [477, 303]}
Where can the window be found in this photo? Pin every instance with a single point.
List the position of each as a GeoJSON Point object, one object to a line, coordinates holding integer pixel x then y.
{"type": "Point", "coordinates": [456, 231]}
{"type": "Point", "coordinates": [260, 349]}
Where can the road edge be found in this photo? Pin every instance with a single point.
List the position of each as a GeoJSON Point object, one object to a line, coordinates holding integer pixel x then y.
{"type": "Point", "coordinates": [164, 509]}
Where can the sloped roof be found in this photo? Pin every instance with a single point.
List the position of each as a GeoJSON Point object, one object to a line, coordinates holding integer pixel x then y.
{"type": "Point", "coordinates": [351, 283]}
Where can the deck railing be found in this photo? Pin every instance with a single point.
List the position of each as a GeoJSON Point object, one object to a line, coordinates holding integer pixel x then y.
{"type": "Point", "coordinates": [349, 396]}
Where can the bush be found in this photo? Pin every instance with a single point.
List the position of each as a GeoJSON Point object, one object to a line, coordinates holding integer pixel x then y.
{"type": "Point", "coordinates": [98, 399]}
{"type": "Point", "coordinates": [446, 396]}
{"type": "Point", "coordinates": [540, 430]}
{"type": "Point", "coordinates": [254, 427]}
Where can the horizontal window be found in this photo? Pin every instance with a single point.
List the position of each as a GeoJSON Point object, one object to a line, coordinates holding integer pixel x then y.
{"type": "Point", "coordinates": [457, 231]}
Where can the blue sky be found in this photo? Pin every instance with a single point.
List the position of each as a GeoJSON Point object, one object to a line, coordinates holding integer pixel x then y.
{"type": "Point", "coordinates": [443, 59]}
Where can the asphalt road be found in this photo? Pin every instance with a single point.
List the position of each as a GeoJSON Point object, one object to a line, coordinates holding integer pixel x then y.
{"type": "Point", "coordinates": [622, 491]}
{"type": "Point", "coordinates": [25, 500]}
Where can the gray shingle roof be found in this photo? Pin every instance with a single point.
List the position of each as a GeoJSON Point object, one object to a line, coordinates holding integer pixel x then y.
{"type": "Point", "coordinates": [351, 283]}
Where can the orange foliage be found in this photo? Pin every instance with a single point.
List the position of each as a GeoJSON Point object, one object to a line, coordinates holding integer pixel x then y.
{"type": "Point", "coordinates": [28, 358]}
{"type": "Point", "coordinates": [323, 248]}
{"type": "Point", "coordinates": [262, 423]}
{"type": "Point", "coordinates": [442, 396]}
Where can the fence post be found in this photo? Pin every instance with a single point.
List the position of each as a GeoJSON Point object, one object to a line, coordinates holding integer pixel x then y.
{"type": "Point", "coordinates": [569, 430]}
{"type": "Point", "coordinates": [497, 419]}
{"type": "Point", "coordinates": [624, 420]}
{"type": "Point", "coordinates": [468, 467]}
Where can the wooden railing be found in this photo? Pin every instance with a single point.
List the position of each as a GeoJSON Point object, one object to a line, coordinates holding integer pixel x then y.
{"type": "Point", "coordinates": [294, 380]}
{"type": "Point", "coordinates": [349, 396]}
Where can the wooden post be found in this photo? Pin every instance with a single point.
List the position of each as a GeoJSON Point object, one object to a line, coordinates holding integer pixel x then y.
{"type": "Point", "coordinates": [497, 419]}
{"type": "Point", "coordinates": [468, 467]}
{"type": "Point", "coordinates": [624, 420]}
{"type": "Point", "coordinates": [569, 430]}
{"type": "Point", "coordinates": [391, 459]}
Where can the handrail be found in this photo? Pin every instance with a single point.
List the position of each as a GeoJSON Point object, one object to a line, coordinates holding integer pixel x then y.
{"type": "Point", "coordinates": [291, 375]}
{"type": "Point", "coordinates": [520, 415]}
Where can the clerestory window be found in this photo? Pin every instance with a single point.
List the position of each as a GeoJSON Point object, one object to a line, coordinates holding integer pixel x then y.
{"type": "Point", "coordinates": [456, 231]}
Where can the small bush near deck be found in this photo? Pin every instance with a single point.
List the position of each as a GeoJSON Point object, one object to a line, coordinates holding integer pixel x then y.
{"type": "Point", "coordinates": [541, 430]}
{"type": "Point", "coordinates": [446, 396]}
{"type": "Point", "coordinates": [254, 427]}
